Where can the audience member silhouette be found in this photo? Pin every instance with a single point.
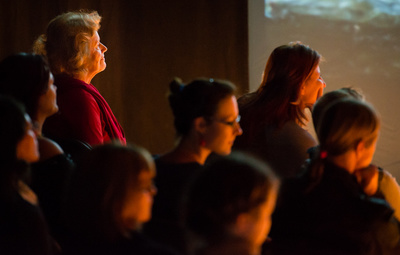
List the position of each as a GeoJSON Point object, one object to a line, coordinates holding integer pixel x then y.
{"type": "Point", "coordinates": [325, 211]}
{"type": "Point", "coordinates": [376, 181]}
{"type": "Point", "coordinates": [273, 117]}
{"type": "Point", "coordinates": [23, 230]}
{"type": "Point", "coordinates": [206, 120]}
{"type": "Point", "coordinates": [230, 206]}
{"type": "Point", "coordinates": [27, 78]}
{"type": "Point", "coordinates": [75, 54]}
{"type": "Point", "coordinates": [110, 197]}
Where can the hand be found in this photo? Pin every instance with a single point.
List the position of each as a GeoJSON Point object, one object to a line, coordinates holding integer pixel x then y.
{"type": "Point", "coordinates": [368, 179]}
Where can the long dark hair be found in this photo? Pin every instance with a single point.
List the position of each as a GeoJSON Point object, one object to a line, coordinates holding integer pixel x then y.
{"type": "Point", "coordinates": [196, 99]}
{"type": "Point", "coordinates": [25, 77]}
{"type": "Point", "coordinates": [276, 100]}
{"type": "Point", "coordinates": [12, 130]}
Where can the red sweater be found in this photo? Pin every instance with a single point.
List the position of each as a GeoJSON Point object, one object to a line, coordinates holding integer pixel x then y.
{"type": "Point", "coordinates": [83, 114]}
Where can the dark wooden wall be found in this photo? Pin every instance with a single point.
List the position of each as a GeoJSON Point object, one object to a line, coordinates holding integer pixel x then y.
{"type": "Point", "coordinates": [149, 42]}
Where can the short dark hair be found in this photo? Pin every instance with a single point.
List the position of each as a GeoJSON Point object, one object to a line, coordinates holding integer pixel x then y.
{"type": "Point", "coordinates": [196, 99]}
{"type": "Point", "coordinates": [229, 186]}
{"type": "Point", "coordinates": [25, 77]}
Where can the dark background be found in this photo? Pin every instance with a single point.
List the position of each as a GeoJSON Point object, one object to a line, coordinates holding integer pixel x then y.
{"type": "Point", "coordinates": [149, 42]}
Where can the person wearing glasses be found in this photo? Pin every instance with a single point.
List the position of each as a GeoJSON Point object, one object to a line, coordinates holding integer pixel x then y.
{"type": "Point", "coordinates": [110, 197]}
{"type": "Point", "coordinates": [206, 119]}
{"type": "Point", "coordinates": [274, 116]}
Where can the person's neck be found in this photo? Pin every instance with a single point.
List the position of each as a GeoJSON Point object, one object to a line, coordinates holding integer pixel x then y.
{"type": "Point", "coordinates": [188, 150]}
{"type": "Point", "coordinates": [84, 76]}
{"type": "Point", "coordinates": [38, 124]}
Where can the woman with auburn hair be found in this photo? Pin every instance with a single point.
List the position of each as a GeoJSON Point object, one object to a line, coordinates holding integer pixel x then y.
{"type": "Point", "coordinates": [325, 210]}
{"type": "Point", "coordinates": [110, 197]}
{"type": "Point", "coordinates": [273, 117]}
{"type": "Point", "coordinates": [75, 53]}
{"type": "Point", "coordinates": [206, 119]}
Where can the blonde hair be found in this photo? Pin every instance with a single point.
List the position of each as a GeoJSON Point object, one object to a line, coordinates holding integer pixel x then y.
{"type": "Point", "coordinates": [66, 41]}
{"type": "Point", "coordinates": [343, 125]}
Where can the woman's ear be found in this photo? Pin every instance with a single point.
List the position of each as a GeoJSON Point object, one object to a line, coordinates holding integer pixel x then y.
{"type": "Point", "coordinates": [360, 148]}
{"type": "Point", "coordinates": [302, 89]}
{"type": "Point", "coordinates": [200, 125]}
{"type": "Point", "coordinates": [242, 224]}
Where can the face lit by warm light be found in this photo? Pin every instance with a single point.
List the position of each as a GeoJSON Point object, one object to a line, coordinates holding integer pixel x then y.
{"type": "Point", "coordinates": [139, 201]}
{"type": "Point", "coordinates": [48, 101]}
{"type": "Point", "coordinates": [27, 147]}
{"type": "Point", "coordinates": [261, 220]}
{"type": "Point", "coordinates": [366, 155]}
{"type": "Point", "coordinates": [313, 88]}
{"type": "Point", "coordinates": [96, 60]}
{"type": "Point", "coordinates": [220, 135]}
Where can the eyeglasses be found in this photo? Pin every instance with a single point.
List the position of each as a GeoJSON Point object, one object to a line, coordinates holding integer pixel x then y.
{"type": "Point", "coordinates": [229, 123]}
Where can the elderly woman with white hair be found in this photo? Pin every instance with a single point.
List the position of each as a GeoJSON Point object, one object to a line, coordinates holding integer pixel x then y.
{"type": "Point", "coordinates": [75, 54]}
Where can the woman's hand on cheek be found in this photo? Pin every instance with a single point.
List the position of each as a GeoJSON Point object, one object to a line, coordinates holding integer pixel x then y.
{"type": "Point", "coordinates": [368, 179]}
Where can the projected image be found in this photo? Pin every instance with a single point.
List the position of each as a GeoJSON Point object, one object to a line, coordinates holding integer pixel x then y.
{"type": "Point", "coordinates": [377, 12]}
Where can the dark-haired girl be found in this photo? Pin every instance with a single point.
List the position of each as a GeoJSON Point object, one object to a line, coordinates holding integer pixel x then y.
{"type": "Point", "coordinates": [23, 230]}
{"type": "Point", "coordinates": [27, 78]}
{"type": "Point", "coordinates": [206, 119]}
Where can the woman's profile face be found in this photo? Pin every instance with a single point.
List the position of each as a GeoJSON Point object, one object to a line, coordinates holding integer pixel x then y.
{"type": "Point", "coordinates": [27, 147]}
{"type": "Point", "coordinates": [223, 127]}
{"type": "Point", "coordinates": [48, 101]}
{"type": "Point", "coordinates": [313, 88]}
{"type": "Point", "coordinates": [139, 201]}
{"type": "Point", "coordinates": [96, 61]}
{"type": "Point", "coordinates": [261, 220]}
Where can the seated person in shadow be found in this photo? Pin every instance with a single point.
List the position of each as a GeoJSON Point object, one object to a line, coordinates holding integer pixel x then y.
{"type": "Point", "coordinates": [230, 205]}
{"type": "Point", "coordinates": [376, 181]}
{"type": "Point", "coordinates": [206, 119]}
{"type": "Point", "coordinates": [27, 78]}
{"type": "Point", "coordinates": [110, 197]}
{"type": "Point", "coordinates": [325, 210]}
{"type": "Point", "coordinates": [23, 229]}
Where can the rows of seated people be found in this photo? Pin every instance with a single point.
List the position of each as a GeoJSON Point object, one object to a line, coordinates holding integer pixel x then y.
{"type": "Point", "coordinates": [69, 183]}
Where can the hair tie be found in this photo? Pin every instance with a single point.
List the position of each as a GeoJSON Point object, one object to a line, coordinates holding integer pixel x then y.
{"type": "Point", "coordinates": [323, 154]}
{"type": "Point", "coordinates": [211, 80]}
